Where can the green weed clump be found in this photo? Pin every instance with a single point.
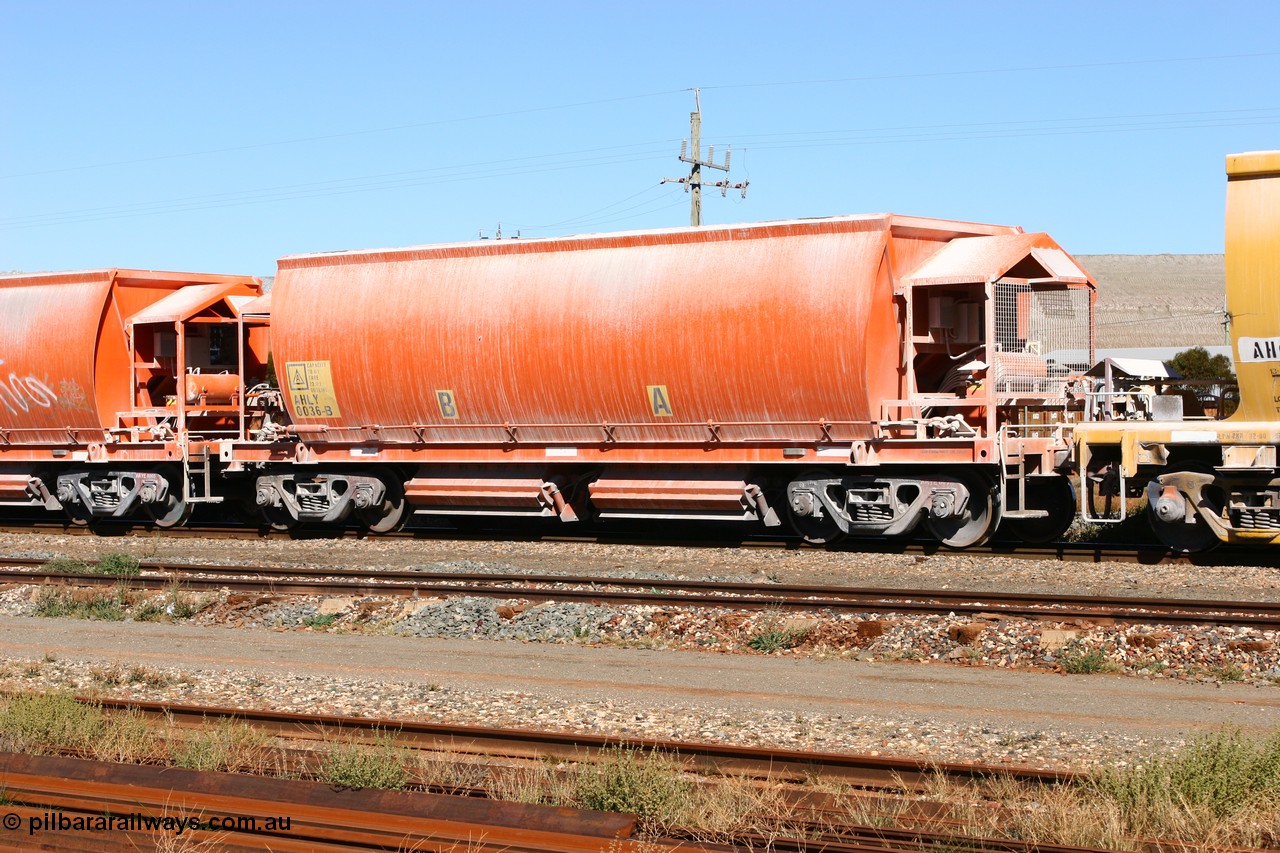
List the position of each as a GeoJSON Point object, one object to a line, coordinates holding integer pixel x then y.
{"type": "Point", "coordinates": [1220, 792]}
{"type": "Point", "coordinates": [102, 605]}
{"type": "Point", "coordinates": [649, 785]}
{"type": "Point", "coordinates": [358, 764]}
{"type": "Point", "coordinates": [175, 604]}
{"type": "Point", "coordinates": [67, 566]}
{"type": "Point", "coordinates": [47, 723]}
{"type": "Point", "coordinates": [116, 564]}
{"type": "Point", "coordinates": [229, 745]}
{"type": "Point", "coordinates": [119, 565]}
{"type": "Point", "coordinates": [58, 724]}
{"type": "Point", "coordinates": [1224, 775]}
{"type": "Point", "coordinates": [1077, 659]}
{"type": "Point", "coordinates": [1134, 530]}
{"type": "Point", "coordinates": [772, 641]}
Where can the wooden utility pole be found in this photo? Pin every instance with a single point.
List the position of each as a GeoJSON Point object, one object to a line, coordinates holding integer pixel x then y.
{"type": "Point", "coordinates": [693, 183]}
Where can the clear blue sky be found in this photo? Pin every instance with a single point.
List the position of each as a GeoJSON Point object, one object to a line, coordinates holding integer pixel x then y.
{"type": "Point", "coordinates": [220, 136]}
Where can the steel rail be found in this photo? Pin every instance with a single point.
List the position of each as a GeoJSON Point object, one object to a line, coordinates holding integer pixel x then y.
{"type": "Point", "coordinates": [826, 836]}
{"type": "Point", "coordinates": [283, 580]}
{"type": "Point", "coordinates": [321, 818]}
{"type": "Point", "coordinates": [54, 789]}
{"type": "Point", "coordinates": [876, 772]}
{"type": "Point", "coordinates": [1149, 554]}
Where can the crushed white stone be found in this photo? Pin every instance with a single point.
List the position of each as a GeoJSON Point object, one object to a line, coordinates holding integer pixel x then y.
{"type": "Point", "coordinates": [404, 701]}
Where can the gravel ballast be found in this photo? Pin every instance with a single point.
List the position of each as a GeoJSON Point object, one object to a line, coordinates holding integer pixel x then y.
{"type": "Point", "coordinates": [1200, 658]}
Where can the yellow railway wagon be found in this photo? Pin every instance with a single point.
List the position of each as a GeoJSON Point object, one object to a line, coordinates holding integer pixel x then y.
{"type": "Point", "coordinates": [1215, 481]}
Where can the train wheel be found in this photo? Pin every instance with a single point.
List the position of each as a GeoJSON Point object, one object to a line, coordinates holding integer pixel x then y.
{"type": "Point", "coordinates": [1166, 511]}
{"type": "Point", "coordinates": [973, 525]}
{"type": "Point", "coordinates": [391, 514]}
{"type": "Point", "coordinates": [173, 512]}
{"type": "Point", "coordinates": [1183, 538]}
{"type": "Point", "coordinates": [802, 507]}
{"type": "Point", "coordinates": [1054, 495]}
{"type": "Point", "coordinates": [175, 509]}
{"type": "Point", "coordinates": [78, 514]}
{"type": "Point", "coordinates": [244, 510]}
{"type": "Point", "coordinates": [278, 518]}
{"type": "Point", "coordinates": [816, 531]}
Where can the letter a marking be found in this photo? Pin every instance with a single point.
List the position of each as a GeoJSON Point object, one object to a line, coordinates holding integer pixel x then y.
{"type": "Point", "coordinates": [659, 401]}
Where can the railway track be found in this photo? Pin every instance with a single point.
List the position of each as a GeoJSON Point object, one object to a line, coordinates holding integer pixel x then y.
{"type": "Point", "coordinates": [50, 799]}
{"type": "Point", "coordinates": [47, 795]}
{"type": "Point", "coordinates": [323, 818]}
{"type": "Point", "coordinates": [862, 771]}
{"type": "Point", "coordinates": [1070, 552]}
{"type": "Point", "coordinates": [829, 832]}
{"type": "Point", "coordinates": [663, 593]}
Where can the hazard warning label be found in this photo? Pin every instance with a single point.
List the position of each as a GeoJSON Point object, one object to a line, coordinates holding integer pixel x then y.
{"type": "Point", "coordinates": [311, 389]}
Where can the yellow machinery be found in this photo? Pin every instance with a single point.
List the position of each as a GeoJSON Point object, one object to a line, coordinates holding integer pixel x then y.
{"type": "Point", "coordinates": [1212, 481]}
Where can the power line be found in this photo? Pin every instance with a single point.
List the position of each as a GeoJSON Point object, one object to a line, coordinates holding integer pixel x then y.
{"type": "Point", "coordinates": [156, 208]}
{"type": "Point", "coordinates": [633, 97]}
{"type": "Point", "coordinates": [1164, 319]}
{"type": "Point", "coordinates": [456, 168]}
{"type": "Point", "coordinates": [1202, 115]}
{"type": "Point", "coordinates": [589, 214]}
{"type": "Point", "coordinates": [559, 161]}
{"type": "Point", "coordinates": [679, 202]}
{"type": "Point", "coordinates": [1025, 134]}
{"type": "Point", "coordinates": [497, 168]}
{"type": "Point", "coordinates": [328, 136]}
{"type": "Point", "coordinates": [922, 75]}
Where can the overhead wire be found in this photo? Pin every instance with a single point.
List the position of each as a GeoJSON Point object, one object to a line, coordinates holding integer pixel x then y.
{"type": "Point", "coordinates": [630, 153]}
{"type": "Point", "coordinates": [679, 202]}
{"type": "Point", "coordinates": [320, 189]}
{"type": "Point", "coordinates": [1025, 134]}
{"type": "Point", "coordinates": [589, 214]}
{"type": "Point", "coordinates": [289, 196]}
{"type": "Point", "coordinates": [1186, 115]}
{"type": "Point", "coordinates": [771, 141]}
{"type": "Point", "coordinates": [1162, 319]}
{"type": "Point", "coordinates": [461, 168]}
{"type": "Point", "coordinates": [328, 136]}
{"type": "Point", "coordinates": [641, 96]}
{"type": "Point", "coordinates": [977, 71]}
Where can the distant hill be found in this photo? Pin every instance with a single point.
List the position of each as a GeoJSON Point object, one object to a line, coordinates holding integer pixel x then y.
{"type": "Point", "coordinates": [1158, 300]}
